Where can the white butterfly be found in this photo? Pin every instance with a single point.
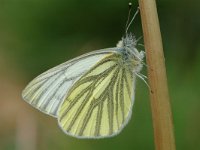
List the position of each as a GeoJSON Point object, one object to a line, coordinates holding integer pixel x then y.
{"type": "Point", "coordinates": [92, 95]}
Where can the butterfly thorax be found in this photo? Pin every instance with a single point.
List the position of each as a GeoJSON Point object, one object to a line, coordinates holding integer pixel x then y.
{"type": "Point", "coordinates": [131, 57]}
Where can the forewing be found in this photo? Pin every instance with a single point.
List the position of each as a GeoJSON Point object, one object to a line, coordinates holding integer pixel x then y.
{"type": "Point", "coordinates": [99, 104]}
{"type": "Point", "coordinates": [48, 90]}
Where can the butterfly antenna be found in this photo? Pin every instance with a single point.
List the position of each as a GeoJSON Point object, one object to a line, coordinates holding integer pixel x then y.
{"type": "Point", "coordinates": [132, 19]}
{"type": "Point", "coordinates": [128, 18]}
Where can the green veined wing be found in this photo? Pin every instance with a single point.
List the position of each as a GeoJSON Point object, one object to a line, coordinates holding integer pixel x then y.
{"type": "Point", "coordinates": [99, 104]}
{"type": "Point", "coordinates": [48, 90]}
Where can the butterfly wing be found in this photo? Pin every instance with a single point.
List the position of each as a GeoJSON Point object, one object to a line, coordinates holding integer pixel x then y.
{"type": "Point", "coordinates": [47, 91]}
{"type": "Point", "coordinates": [100, 103]}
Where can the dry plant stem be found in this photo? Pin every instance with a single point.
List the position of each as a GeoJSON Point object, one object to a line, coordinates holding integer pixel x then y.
{"type": "Point", "coordinates": [160, 103]}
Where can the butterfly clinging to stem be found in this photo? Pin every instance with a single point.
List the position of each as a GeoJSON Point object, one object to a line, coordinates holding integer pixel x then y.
{"type": "Point", "coordinates": [91, 95]}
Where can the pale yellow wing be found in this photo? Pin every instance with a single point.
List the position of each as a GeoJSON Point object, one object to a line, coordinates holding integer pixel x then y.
{"type": "Point", "coordinates": [48, 90]}
{"type": "Point", "coordinates": [100, 103]}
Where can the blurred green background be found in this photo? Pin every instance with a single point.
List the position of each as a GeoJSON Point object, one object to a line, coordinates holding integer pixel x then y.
{"type": "Point", "coordinates": [36, 35]}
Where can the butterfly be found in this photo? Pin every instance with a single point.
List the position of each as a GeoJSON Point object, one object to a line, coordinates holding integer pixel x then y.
{"type": "Point", "coordinates": [91, 95]}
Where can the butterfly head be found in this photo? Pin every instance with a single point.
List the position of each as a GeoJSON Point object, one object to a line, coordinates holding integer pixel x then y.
{"type": "Point", "coordinates": [129, 43]}
{"type": "Point", "coordinates": [131, 54]}
{"type": "Point", "coordinates": [128, 40]}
